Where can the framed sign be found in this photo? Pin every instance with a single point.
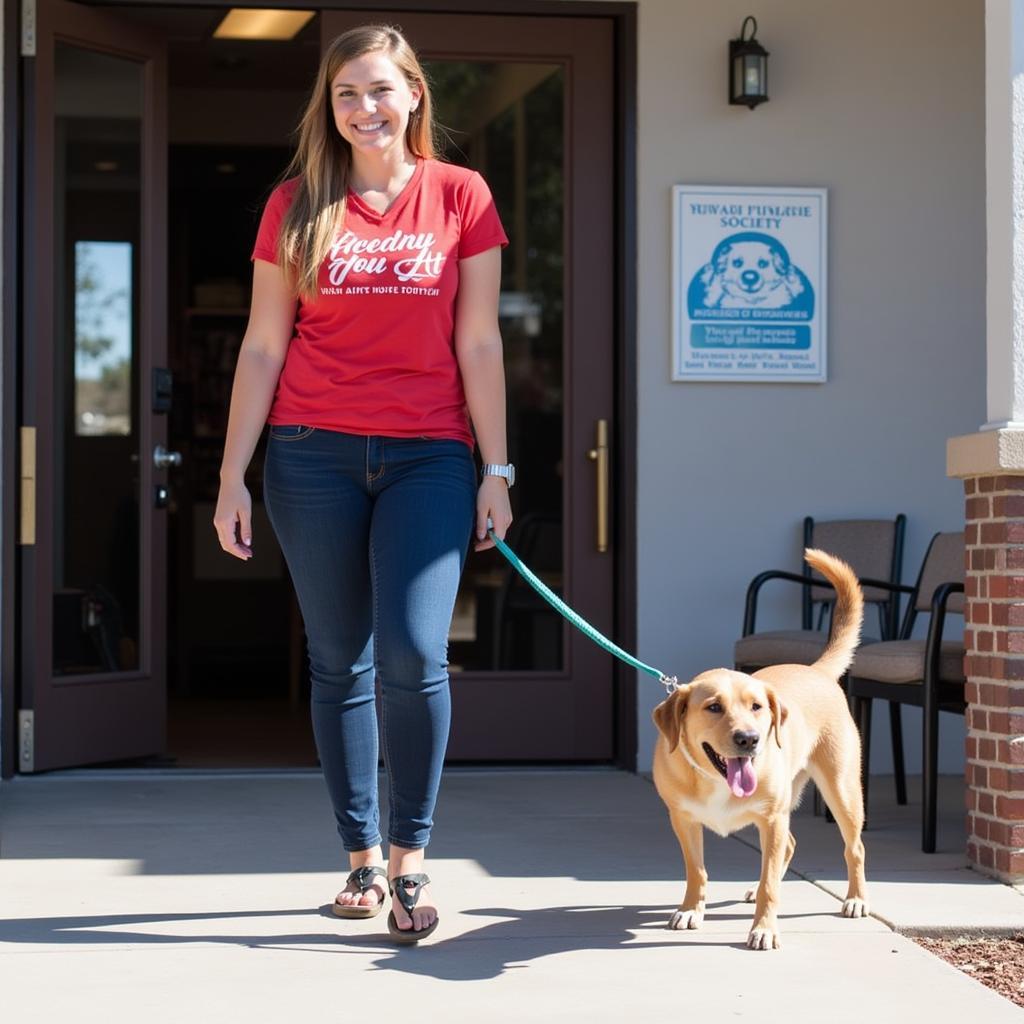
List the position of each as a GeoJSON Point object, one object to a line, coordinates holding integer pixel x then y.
{"type": "Point", "coordinates": [749, 283]}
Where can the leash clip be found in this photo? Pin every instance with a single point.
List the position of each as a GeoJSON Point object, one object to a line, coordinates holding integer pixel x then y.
{"type": "Point", "coordinates": [671, 684]}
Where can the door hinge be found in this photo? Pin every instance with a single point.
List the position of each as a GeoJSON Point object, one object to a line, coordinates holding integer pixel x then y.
{"type": "Point", "coordinates": [28, 28]}
{"type": "Point", "coordinates": [26, 741]}
{"type": "Point", "coordinates": [27, 532]}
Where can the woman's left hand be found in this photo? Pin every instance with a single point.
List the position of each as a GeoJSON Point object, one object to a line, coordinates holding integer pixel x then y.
{"type": "Point", "coordinates": [492, 503]}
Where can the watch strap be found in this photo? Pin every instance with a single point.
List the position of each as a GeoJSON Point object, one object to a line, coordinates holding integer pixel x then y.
{"type": "Point", "coordinates": [497, 469]}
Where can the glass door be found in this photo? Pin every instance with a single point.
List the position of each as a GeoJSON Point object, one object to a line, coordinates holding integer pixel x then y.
{"type": "Point", "coordinates": [94, 399]}
{"type": "Point", "coordinates": [529, 103]}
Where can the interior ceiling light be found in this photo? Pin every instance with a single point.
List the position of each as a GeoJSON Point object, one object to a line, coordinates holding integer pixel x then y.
{"type": "Point", "coordinates": [105, 165]}
{"type": "Point", "coordinates": [261, 23]}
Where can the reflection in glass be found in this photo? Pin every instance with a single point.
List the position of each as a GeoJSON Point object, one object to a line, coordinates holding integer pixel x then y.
{"type": "Point", "coordinates": [506, 121]}
{"type": "Point", "coordinates": [96, 321]}
{"type": "Point", "coordinates": [103, 333]}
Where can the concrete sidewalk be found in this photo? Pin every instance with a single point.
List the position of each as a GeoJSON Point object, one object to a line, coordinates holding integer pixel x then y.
{"type": "Point", "coordinates": [206, 898]}
{"type": "Point", "coordinates": [914, 893]}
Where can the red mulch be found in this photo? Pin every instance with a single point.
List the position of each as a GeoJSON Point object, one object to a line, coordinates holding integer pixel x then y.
{"type": "Point", "coordinates": [995, 962]}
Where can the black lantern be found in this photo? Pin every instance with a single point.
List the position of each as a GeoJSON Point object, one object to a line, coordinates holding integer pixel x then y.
{"type": "Point", "coordinates": [748, 68]}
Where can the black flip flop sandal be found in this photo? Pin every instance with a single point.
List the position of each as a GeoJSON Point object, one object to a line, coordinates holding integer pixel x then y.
{"type": "Point", "coordinates": [408, 897]}
{"type": "Point", "coordinates": [363, 877]}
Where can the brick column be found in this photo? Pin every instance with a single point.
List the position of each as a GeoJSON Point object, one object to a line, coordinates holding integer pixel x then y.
{"type": "Point", "coordinates": [991, 464]}
{"type": "Point", "coordinates": [994, 666]}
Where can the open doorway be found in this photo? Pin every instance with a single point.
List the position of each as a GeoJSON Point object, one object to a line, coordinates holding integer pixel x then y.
{"type": "Point", "coordinates": [237, 679]}
{"type": "Point", "coordinates": [237, 684]}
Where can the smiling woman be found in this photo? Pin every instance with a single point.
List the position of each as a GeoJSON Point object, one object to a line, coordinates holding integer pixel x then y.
{"type": "Point", "coordinates": [373, 332]}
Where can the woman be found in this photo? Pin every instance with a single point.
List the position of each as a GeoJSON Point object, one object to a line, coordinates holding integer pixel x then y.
{"type": "Point", "coordinates": [373, 330]}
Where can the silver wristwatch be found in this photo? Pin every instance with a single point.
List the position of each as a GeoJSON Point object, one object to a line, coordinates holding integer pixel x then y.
{"type": "Point", "coordinates": [508, 472]}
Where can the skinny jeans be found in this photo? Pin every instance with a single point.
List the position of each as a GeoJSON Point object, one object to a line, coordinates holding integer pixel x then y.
{"type": "Point", "coordinates": [375, 532]}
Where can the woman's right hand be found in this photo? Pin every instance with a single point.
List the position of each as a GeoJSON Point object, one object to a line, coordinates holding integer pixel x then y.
{"type": "Point", "coordinates": [233, 519]}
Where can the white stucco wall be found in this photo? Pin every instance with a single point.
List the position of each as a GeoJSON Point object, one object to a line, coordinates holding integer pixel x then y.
{"type": "Point", "coordinates": [884, 105]}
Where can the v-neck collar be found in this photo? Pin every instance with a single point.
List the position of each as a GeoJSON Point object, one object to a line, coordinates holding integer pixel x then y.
{"type": "Point", "coordinates": [375, 216]}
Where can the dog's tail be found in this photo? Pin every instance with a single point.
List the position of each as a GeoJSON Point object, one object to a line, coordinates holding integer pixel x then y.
{"type": "Point", "coordinates": [847, 615]}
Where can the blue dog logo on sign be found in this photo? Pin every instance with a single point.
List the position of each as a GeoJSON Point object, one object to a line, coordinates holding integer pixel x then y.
{"type": "Point", "coordinates": [751, 271]}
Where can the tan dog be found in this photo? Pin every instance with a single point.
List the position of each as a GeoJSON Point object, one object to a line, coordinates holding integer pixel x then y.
{"type": "Point", "coordinates": [738, 749]}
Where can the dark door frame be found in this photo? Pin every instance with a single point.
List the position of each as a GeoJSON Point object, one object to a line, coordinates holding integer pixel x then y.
{"type": "Point", "coordinates": [624, 17]}
{"type": "Point", "coordinates": [10, 374]}
{"type": "Point", "coordinates": [87, 716]}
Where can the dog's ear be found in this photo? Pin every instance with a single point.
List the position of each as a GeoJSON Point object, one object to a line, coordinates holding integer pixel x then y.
{"type": "Point", "coordinates": [779, 713]}
{"type": "Point", "coordinates": [668, 715]}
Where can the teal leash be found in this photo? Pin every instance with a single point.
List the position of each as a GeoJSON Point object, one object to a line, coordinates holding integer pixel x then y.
{"type": "Point", "coordinates": [670, 683]}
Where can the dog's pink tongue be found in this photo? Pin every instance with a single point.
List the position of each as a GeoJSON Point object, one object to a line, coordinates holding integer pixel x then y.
{"type": "Point", "coordinates": [740, 775]}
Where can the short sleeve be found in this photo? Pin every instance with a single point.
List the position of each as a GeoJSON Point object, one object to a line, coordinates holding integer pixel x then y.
{"type": "Point", "coordinates": [480, 224]}
{"type": "Point", "coordinates": [270, 223]}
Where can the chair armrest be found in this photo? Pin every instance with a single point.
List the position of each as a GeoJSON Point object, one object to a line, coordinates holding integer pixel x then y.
{"type": "Point", "coordinates": [750, 606]}
{"type": "Point", "coordinates": [936, 625]}
{"type": "Point", "coordinates": [750, 609]}
{"type": "Point", "coordinates": [941, 597]}
{"type": "Point", "coordinates": [889, 617]}
{"type": "Point", "coordinates": [893, 588]}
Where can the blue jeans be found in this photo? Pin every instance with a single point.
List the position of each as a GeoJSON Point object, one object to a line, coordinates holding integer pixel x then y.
{"type": "Point", "coordinates": [375, 531]}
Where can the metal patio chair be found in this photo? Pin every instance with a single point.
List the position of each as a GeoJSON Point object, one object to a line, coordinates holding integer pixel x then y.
{"type": "Point", "coordinates": [874, 549]}
{"type": "Point", "coordinates": [928, 673]}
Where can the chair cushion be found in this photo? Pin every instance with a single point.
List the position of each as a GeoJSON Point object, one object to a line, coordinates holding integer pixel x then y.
{"type": "Point", "coordinates": [782, 647]}
{"type": "Point", "coordinates": [902, 661]}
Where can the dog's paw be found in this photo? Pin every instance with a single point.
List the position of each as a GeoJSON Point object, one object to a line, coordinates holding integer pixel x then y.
{"type": "Point", "coordinates": [682, 920]}
{"type": "Point", "coordinates": [855, 908]}
{"type": "Point", "coordinates": [764, 937]}
{"type": "Point", "coordinates": [750, 896]}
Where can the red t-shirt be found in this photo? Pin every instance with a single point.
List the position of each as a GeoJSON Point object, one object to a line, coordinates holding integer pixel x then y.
{"type": "Point", "coordinates": [374, 353]}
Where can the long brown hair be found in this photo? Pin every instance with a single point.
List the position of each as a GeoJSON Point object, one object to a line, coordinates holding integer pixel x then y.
{"type": "Point", "coordinates": [323, 159]}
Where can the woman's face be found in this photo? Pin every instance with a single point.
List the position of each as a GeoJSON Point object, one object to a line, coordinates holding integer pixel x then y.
{"type": "Point", "coordinates": [371, 101]}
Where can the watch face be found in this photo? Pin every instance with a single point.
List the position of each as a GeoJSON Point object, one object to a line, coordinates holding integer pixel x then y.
{"type": "Point", "coordinates": [511, 474]}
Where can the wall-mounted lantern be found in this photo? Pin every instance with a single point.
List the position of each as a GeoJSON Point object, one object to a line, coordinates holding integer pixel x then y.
{"type": "Point", "coordinates": [748, 68]}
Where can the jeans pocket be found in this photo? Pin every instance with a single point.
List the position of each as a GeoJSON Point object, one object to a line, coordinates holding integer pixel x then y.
{"type": "Point", "coordinates": [290, 431]}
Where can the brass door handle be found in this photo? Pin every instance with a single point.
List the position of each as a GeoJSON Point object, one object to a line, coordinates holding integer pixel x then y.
{"type": "Point", "coordinates": [600, 456]}
{"type": "Point", "coordinates": [27, 533]}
